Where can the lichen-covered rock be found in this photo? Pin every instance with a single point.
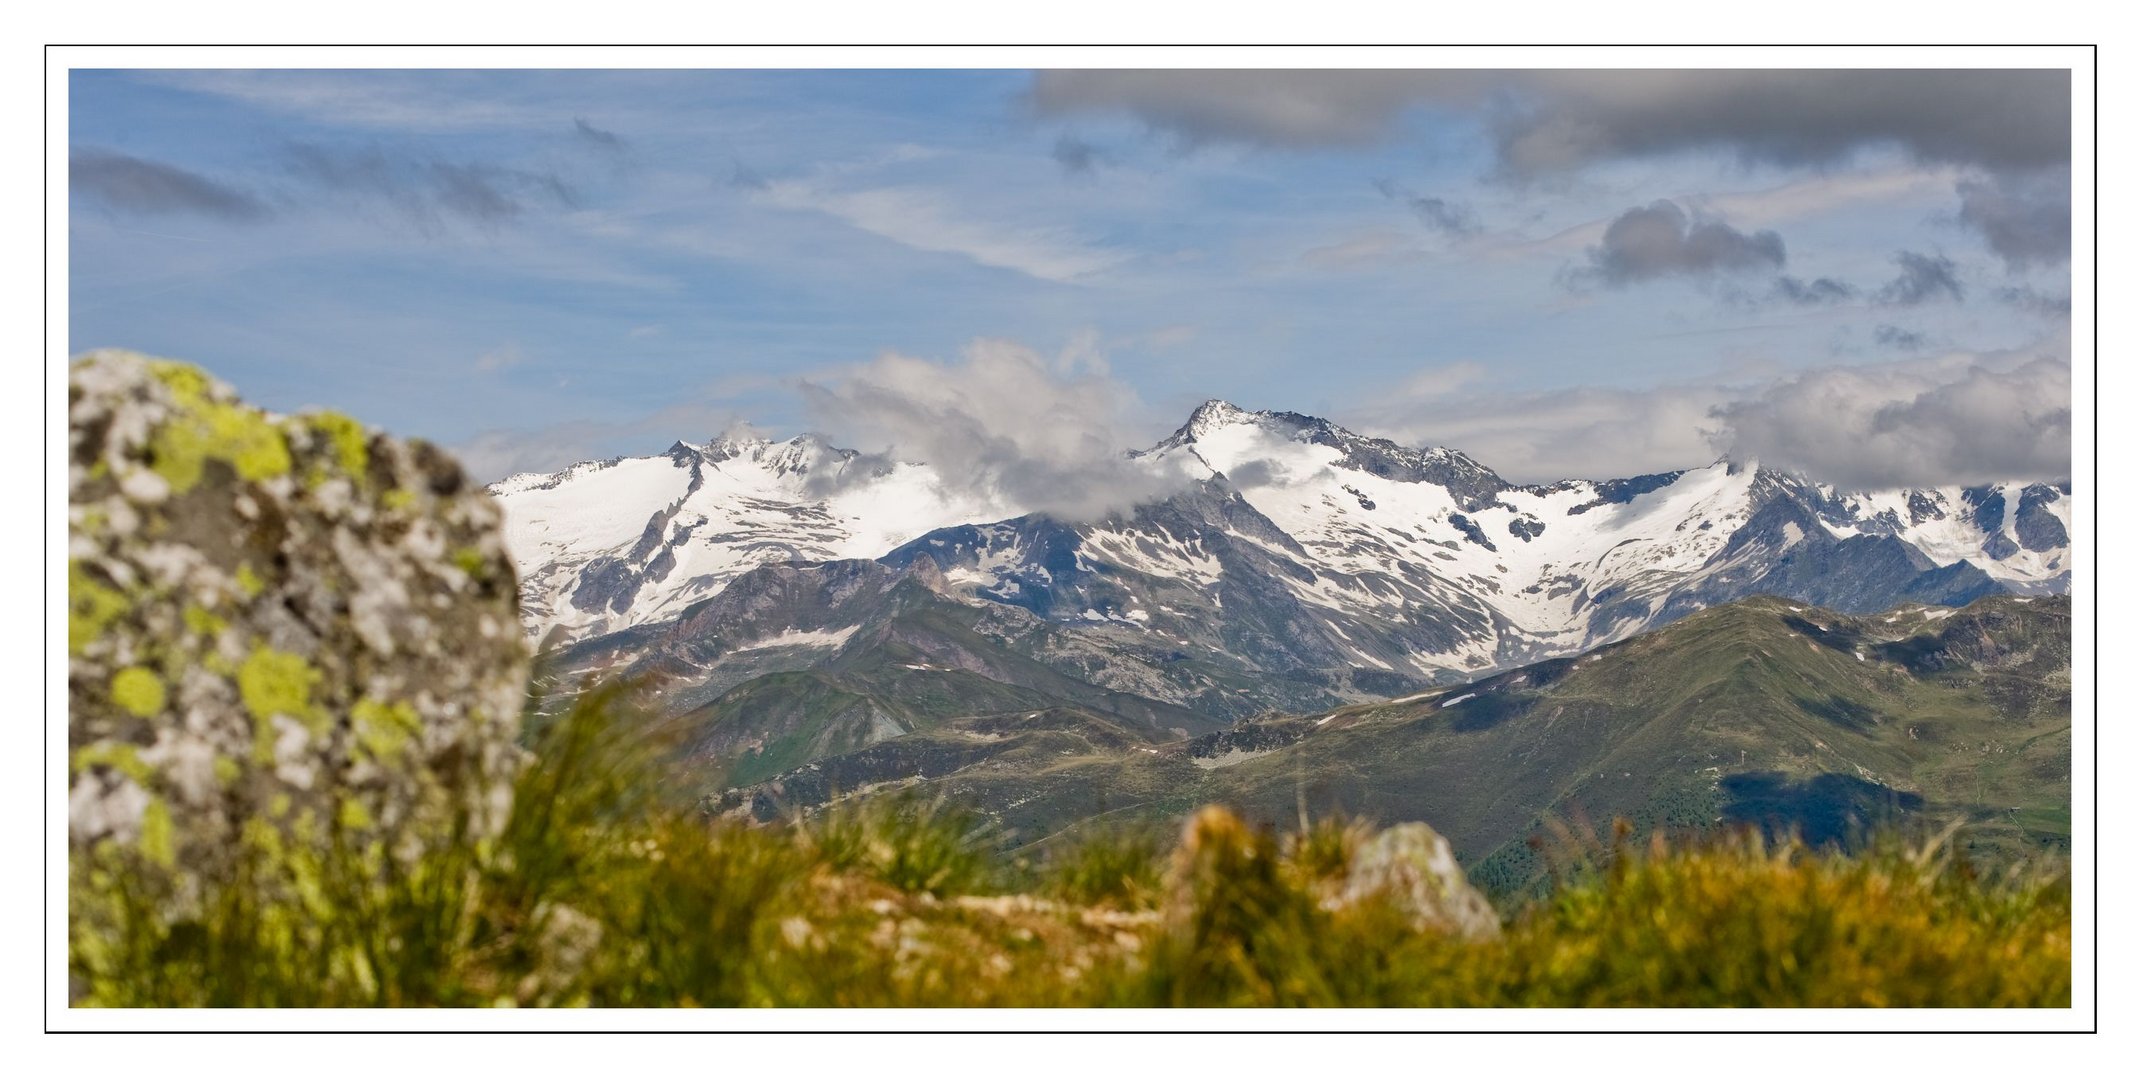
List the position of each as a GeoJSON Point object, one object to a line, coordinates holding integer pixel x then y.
{"type": "Point", "coordinates": [1411, 867]}
{"type": "Point", "coordinates": [284, 633]}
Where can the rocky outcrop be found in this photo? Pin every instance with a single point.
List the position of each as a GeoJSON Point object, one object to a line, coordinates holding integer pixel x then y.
{"type": "Point", "coordinates": [285, 635]}
{"type": "Point", "coordinates": [1412, 868]}
{"type": "Point", "coordinates": [1227, 879]}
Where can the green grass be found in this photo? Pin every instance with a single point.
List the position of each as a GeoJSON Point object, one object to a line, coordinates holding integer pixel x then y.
{"type": "Point", "coordinates": [606, 890]}
{"type": "Point", "coordinates": [906, 843]}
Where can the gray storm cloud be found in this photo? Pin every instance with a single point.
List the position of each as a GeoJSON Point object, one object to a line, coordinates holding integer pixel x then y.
{"type": "Point", "coordinates": [2011, 125]}
{"type": "Point", "coordinates": [138, 185]}
{"type": "Point", "coordinates": [2025, 220]}
{"type": "Point", "coordinates": [1549, 121]}
{"type": "Point", "coordinates": [1041, 434]}
{"type": "Point", "coordinates": [1922, 279]}
{"type": "Point", "coordinates": [1662, 240]}
{"type": "Point", "coordinates": [1909, 426]}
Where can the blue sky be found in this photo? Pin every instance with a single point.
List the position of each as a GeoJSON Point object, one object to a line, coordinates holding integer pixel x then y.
{"type": "Point", "coordinates": [1562, 273]}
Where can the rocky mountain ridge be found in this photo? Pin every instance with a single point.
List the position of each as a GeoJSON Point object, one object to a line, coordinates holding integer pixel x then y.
{"type": "Point", "coordinates": [1301, 555]}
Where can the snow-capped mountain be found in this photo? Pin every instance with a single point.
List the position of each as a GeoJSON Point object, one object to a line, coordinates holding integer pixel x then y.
{"type": "Point", "coordinates": [1301, 550]}
{"type": "Point", "coordinates": [604, 545]}
{"type": "Point", "coordinates": [1313, 548]}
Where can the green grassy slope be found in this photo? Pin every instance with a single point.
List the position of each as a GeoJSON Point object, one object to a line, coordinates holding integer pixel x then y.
{"type": "Point", "coordinates": [1760, 711]}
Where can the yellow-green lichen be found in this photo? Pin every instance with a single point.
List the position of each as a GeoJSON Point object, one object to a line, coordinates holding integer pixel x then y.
{"type": "Point", "coordinates": [187, 383]}
{"type": "Point", "coordinates": [123, 758]}
{"type": "Point", "coordinates": [273, 683]}
{"type": "Point", "coordinates": [202, 621]}
{"type": "Point", "coordinates": [345, 436]}
{"type": "Point", "coordinates": [138, 691]}
{"type": "Point", "coordinates": [398, 499]}
{"type": "Point", "coordinates": [159, 841]}
{"type": "Point", "coordinates": [384, 729]}
{"type": "Point", "coordinates": [249, 582]}
{"type": "Point", "coordinates": [91, 607]}
{"type": "Point", "coordinates": [227, 770]}
{"type": "Point", "coordinates": [470, 560]}
{"type": "Point", "coordinates": [203, 431]}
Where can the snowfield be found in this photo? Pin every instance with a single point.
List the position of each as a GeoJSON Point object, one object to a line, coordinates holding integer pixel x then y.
{"type": "Point", "coordinates": [1375, 536]}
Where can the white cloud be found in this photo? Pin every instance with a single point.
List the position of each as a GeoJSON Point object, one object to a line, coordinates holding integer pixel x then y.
{"type": "Point", "coordinates": [1437, 382]}
{"type": "Point", "coordinates": [1961, 421]}
{"type": "Point", "coordinates": [927, 221]}
{"type": "Point", "coordinates": [1169, 337]}
{"type": "Point", "coordinates": [1366, 249]}
{"type": "Point", "coordinates": [492, 455]}
{"type": "Point", "coordinates": [501, 358]}
{"type": "Point", "coordinates": [426, 102]}
{"type": "Point", "coordinates": [1047, 434]}
{"type": "Point", "coordinates": [1592, 432]}
{"type": "Point", "coordinates": [1962, 418]}
{"type": "Point", "coordinates": [1826, 192]}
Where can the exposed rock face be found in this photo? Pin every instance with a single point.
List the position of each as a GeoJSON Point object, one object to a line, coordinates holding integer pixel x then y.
{"type": "Point", "coordinates": [2036, 526]}
{"type": "Point", "coordinates": [285, 634]}
{"type": "Point", "coordinates": [1412, 867]}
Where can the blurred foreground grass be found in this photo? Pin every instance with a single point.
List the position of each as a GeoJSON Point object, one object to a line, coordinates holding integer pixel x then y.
{"type": "Point", "coordinates": [604, 891]}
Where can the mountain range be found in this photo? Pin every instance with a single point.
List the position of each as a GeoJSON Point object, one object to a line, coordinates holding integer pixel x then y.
{"type": "Point", "coordinates": [826, 621]}
{"type": "Point", "coordinates": [1760, 711]}
{"type": "Point", "coordinates": [1290, 542]}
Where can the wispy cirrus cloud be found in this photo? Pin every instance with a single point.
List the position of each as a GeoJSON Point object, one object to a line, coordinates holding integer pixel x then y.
{"type": "Point", "coordinates": [427, 191]}
{"type": "Point", "coordinates": [601, 138]}
{"type": "Point", "coordinates": [928, 220]}
{"type": "Point", "coordinates": [443, 102]}
{"type": "Point", "coordinates": [141, 186]}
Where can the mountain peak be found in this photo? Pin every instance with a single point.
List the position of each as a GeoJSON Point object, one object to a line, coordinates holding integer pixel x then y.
{"type": "Point", "coordinates": [738, 441]}
{"type": "Point", "coordinates": [1217, 410]}
{"type": "Point", "coordinates": [1212, 416]}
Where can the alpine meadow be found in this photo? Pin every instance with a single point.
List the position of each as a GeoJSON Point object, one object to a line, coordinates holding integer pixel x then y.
{"type": "Point", "coordinates": [1096, 538]}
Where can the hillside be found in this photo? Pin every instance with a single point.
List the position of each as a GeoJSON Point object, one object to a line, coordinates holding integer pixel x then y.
{"type": "Point", "coordinates": [1762, 711]}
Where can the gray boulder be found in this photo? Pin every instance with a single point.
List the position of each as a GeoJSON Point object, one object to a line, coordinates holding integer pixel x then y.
{"type": "Point", "coordinates": [286, 635]}
{"type": "Point", "coordinates": [1411, 866]}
